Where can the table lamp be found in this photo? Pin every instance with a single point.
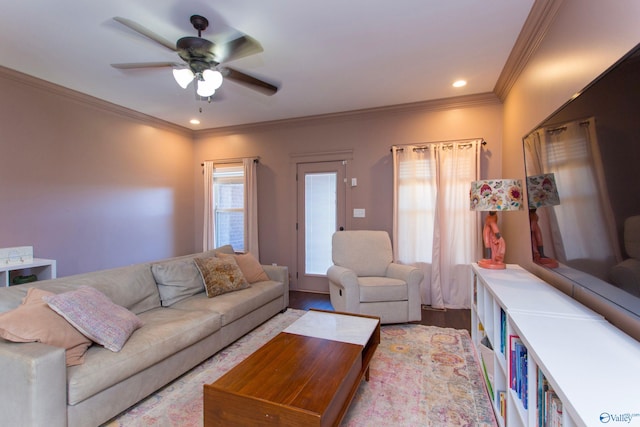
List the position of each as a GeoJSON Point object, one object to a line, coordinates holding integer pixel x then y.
{"type": "Point", "coordinates": [491, 196]}
{"type": "Point", "coordinates": [542, 191]}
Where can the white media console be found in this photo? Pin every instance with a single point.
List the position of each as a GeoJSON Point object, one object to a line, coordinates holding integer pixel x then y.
{"type": "Point", "coordinates": [546, 355]}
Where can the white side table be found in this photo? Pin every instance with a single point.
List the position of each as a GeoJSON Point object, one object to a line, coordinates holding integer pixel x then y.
{"type": "Point", "coordinates": [44, 269]}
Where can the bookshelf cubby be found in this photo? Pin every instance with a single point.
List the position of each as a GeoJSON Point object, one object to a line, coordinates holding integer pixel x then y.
{"type": "Point", "coordinates": [544, 352]}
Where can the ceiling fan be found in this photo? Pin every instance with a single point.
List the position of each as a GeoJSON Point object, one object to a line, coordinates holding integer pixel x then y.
{"type": "Point", "coordinates": [203, 59]}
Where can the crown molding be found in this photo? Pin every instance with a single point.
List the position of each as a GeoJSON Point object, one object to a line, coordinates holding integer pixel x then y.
{"type": "Point", "coordinates": [465, 101]}
{"type": "Point", "coordinates": [535, 28]}
{"type": "Point", "coordinates": [104, 106]}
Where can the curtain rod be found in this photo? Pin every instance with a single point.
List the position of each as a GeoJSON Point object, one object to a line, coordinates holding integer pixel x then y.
{"type": "Point", "coordinates": [256, 159]}
{"type": "Point", "coordinates": [563, 128]}
{"type": "Point", "coordinates": [461, 141]}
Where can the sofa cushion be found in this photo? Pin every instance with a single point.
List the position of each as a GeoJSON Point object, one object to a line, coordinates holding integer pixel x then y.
{"type": "Point", "coordinates": [249, 265]}
{"type": "Point", "coordinates": [35, 321]}
{"type": "Point", "coordinates": [96, 316]}
{"type": "Point", "coordinates": [220, 275]}
{"type": "Point", "coordinates": [374, 289]}
{"type": "Point", "coordinates": [12, 296]}
{"type": "Point", "coordinates": [132, 287]}
{"type": "Point", "coordinates": [177, 280]}
{"type": "Point", "coordinates": [234, 305]}
{"type": "Point", "coordinates": [166, 331]}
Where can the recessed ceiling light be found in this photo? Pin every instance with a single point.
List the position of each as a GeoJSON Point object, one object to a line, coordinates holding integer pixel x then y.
{"type": "Point", "coordinates": [459, 83]}
{"type": "Point", "coordinates": [194, 121]}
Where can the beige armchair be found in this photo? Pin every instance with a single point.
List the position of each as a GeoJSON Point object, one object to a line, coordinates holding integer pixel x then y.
{"type": "Point", "coordinates": [365, 280]}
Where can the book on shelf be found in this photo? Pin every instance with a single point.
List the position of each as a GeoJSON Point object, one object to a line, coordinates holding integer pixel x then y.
{"type": "Point", "coordinates": [475, 290]}
{"type": "Point", "coordinates": [486, 357]}
{"type": "Point", "coordinates": [554, 413]}
{"type": "Point", "coordinates": [503, 331]}
{"type": "Point", "coordinates": [502, 397]}
{"type": "Point", "coordinates": [518, 368]}
{"type": "Point", "coordinates": [549, 405]}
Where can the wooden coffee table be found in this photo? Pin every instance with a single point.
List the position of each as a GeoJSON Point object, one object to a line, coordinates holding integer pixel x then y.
{"type": "Point", "coordinates": [306, 376]}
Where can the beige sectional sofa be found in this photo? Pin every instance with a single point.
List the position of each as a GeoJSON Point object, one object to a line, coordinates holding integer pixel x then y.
{"type": "Point", "coordinates": [181, 328]}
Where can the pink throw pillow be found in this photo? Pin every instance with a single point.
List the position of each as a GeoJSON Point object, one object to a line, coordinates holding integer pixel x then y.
{"type": "Point", "coordinates": [34, 321]}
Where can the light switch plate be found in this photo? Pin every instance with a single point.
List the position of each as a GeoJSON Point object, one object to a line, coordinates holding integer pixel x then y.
{"type": "Point", "coordinates": [358, 213]}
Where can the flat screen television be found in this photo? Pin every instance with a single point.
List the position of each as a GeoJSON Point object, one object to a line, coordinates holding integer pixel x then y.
{"type": "Point", "coordinates": [590, 148]}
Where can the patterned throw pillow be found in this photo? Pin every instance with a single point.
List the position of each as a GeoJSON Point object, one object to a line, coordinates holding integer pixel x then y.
{"type": "Point", "coordinates": [35, 321]}
{"type": "Point", "coordinates": [96, 316]}
{"type": "Point", "coordinates": [250, 267]}
{"type": "Point", "coordinates": [220, 275]}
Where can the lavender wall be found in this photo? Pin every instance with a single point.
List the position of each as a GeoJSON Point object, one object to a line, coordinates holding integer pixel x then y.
{"type": "Point", "coordinates": [88, 184]}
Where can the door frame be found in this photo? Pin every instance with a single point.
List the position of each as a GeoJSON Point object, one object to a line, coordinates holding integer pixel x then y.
{"type": "Point", "coordinates": [295, 159]}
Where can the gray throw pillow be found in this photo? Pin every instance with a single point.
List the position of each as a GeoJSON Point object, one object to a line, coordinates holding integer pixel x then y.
{"type": "Point", "coordinates": [177, 280]}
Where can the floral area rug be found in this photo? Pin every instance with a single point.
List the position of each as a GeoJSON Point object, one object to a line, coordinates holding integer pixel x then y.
{"type": "Point", "coordinates": [420, 376]}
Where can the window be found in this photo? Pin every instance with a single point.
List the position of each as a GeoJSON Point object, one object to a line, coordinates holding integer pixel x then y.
{"type": "Point", "coordinates": [228, 183]}
{"type": "Point", "coordinates": [321, 219]}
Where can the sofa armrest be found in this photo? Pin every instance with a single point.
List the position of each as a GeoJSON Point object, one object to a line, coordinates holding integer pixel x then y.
{"type": "Point", "coordinates": [33, 384]}
{"type": "Point", "coordinates": [278, 273]}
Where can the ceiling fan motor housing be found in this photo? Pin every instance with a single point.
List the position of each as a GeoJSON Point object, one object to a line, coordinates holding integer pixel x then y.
{"type": "Point", "coordinates": [196, 52]}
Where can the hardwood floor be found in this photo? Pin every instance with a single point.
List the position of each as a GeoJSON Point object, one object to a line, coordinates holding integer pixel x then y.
{"type": "Point", "coordinates": [444, 318]}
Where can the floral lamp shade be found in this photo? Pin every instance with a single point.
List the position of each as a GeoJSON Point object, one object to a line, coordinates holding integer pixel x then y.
{"type": "Point", "coordinates": [496, 195]}
{"type": "Point", "coordinates": [542, 191]}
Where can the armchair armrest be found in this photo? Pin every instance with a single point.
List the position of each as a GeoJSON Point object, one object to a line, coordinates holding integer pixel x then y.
{"type": "Point", "coordinates": [345, 282]}
{"type": "Point", "coordinates": [413, 276]}
{"type": "Point", "coordinates": [33, 384]}
{"type": "Point", "coordinates": [342, 277]}
{"type": "Point", "coordinates": [410, 274]}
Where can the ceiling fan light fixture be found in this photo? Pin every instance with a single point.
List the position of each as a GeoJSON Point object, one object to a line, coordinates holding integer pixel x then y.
{"type": "Point", "coordinates": [183, 77]}
{"type": "Point", "coordinates": [205, 89]}
{"type": "Point", "coordinates": [213, 78]}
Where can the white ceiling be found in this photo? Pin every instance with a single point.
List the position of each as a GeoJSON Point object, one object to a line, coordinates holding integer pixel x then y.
{"type": "Point", "coordinates": [327, 56]}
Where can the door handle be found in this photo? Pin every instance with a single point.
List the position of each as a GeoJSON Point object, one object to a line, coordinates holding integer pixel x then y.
{"type": "Point", "coordinates": [341, 228]}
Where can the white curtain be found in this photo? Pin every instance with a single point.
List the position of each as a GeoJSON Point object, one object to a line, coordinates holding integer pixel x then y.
{"type": "Point", "coordinates": [587, 237]}
{"type": "Point", "coordinates": [433, 227]}
{"type": "Point", "coordinates": [251, 207]}
{"type": "Point", "coordinates": [208, 231]}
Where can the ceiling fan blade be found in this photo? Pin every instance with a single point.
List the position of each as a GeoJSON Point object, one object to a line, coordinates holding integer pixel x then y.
{"type": "Point", "coordinates": [134, 65]}
{"type": "Point", "coordinates": [249, 81]}
{"type": "Point", "coordinates": [236, 48]}
{"type": "Point", "coordinates": [146, 32]}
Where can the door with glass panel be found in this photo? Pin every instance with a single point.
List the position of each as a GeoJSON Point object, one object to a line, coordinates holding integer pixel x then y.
{"type": "Point", "coordinates": [321, 211]}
